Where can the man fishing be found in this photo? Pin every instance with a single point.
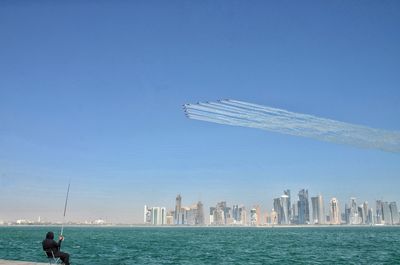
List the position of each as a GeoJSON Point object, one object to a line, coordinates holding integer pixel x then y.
{"type": "Point", "coordinates": [53, 248]}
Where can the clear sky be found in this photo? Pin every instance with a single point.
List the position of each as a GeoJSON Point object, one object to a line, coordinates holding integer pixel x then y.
{"type": "Point", "coordinates": [93, 91]}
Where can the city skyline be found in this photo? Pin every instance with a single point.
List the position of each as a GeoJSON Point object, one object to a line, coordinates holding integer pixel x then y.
{"type": "Point", "coordinates": [282, 213]}
{"type": "Point", "coordinates": [98, 99]}
{"type": "Point", "coordinates": [301, 209]}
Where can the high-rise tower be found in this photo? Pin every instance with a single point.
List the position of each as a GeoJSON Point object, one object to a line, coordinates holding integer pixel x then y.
{"type": "Point", "coordinates": [379, 212]}
{"type": "Point", "coordinates": [318, 210]}
{"type": "Point", "coordinates": [178, 209]}
{"type": "Point", "coordinates": [304, 208]}
{"type": "Point", "coordinates": [334, 209]}
{"type": "Point", "coordinates": [354, 216]}
{"type": "Point", "coordinates": [284, 210]}
{"type": "Point", "coordinates": [387, 214]}
{"type": "Point", "coordinates": [287, 193]}
{"type": "Point", "coordinates": [199, 218]}
{"type": "Point", "coordinates": [394, 212]}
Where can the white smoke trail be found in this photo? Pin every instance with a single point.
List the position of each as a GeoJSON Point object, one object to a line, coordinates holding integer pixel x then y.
{"type": "Point", "coordinates": [239, 113]}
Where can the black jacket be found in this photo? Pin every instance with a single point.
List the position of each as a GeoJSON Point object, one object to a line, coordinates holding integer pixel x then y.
{"type": "Point", "coordinates": [50, 245]}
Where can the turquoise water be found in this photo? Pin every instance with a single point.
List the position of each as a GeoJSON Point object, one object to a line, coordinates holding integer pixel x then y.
{"type": "Point", "coordinates": [117, 245]}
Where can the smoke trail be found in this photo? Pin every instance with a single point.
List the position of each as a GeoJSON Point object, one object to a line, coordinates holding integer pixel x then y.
{"type": "Point", "coordinates": [239, 113]}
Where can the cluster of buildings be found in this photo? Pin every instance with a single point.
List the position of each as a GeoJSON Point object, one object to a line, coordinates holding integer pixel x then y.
{"type": "Point", "coordinates": [302, 210]}
{"type": "Point", "coordinates": [190, 215]}
{"type": "Point", "coordinates": [40, 222]}
{"type": "Point", "coordinates": [298, 213]}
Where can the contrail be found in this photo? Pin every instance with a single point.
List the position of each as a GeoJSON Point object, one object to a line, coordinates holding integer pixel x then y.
{"type": "Point", "coordinates": [239, 113]}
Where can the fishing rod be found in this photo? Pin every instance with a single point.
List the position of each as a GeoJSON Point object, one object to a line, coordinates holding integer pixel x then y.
{"type": "Point", "coordinates": [65, 208]}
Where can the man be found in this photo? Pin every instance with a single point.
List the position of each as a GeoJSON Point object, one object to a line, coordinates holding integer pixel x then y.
{"type": "Point", "coordinates": [50, 245]}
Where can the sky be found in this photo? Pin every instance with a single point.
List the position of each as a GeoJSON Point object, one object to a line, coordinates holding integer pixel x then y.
{"type": "Point", "coordinates": [92, 92]}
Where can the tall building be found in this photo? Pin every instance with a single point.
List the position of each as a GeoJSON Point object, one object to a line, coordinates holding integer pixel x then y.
{"type": "Point", "coordinates": [178, 210]}
{"type": "Point", "coordinates": [354, 217]}
{"type": "Point", "coordinates": [155, 215]}
{"type": "Point", "coordinates": [304, 208]}
{"type": "Point", "coordinates": [318, 210]}
{"type": "Point", "coordinates": [295, 213]}
{"type": "Point", "coordinates": [361, 214]}
{"type": "Point", "coordinates": [243, 215]}
{"type": "Point", "coordinates": [379, 212]}
{"type": "Point", "coordinates": [222, 206]}
{"type": "Point", "coordinates": [335, 216]}
{"type": "Point", "coordinates": [394, 213]}
{"type": "Point", "coordinates": [347, 212]}
{"type": "Point", "coordinates": [287, 193]}
{"type": "Point", "coordinates": [253, 217]}
{"type": "Point", "coordinates": [278, 210]}
{"type": "Point", "coordinates": [235, 213]}
{"type": "Point", "coordinates": [147, 215]}
{"type": "Point", "coordinates": [158, 216]}
{"type": "Point", "coordinates": [370, 217]}
{"type": "Point", "coordinates": [284, 210]}
{"type": "Point", "coordinates": [273, 217]}
{"type": "Point", "coordinates": [170, 218]}
{"type": "Point", "coordinates": [220, 214]}
{"type": "Point", "coordinates": [189, 215]}
{"type": "Point", "coordinates": [258, 212]}
{"type": "Point", "coordinates": [365, 213]}
{"type": "Point", "coordinates": [266, 218]}
{"type": "Point", "coordinates": [212, 210]}
{"type": "Point", "coordinates": [199, 217]}
{"type": "Point", "coordinates": [218, 217]}
{"type": "Point", "coordinates": [387, 215]}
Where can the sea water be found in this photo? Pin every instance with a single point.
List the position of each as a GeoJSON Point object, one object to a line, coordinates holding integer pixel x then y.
{"type": "Point", "coordinates": [208, 245]}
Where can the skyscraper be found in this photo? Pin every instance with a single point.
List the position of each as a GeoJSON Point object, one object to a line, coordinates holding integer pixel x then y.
{"type": "Point", "coordinates": [304, 208]}
{"type": "Point", "coordinates": [347, 212]}
{"type": "Point", "coordinates": [284, 210]}
{"type": "Point", "coordinates": [211, 214]}
{"type": "Point", "coordinates": [235, 213]}
{"type": "Point", "coordinates": [335, 216]}
{"type": "Point", "coordinates": [287, 193]}
{"type": "Point", "coordinates": [219, 214]}
{"type": "Point", "coordinates": [146, 215]}
{"type": "Point", "coordinates": [354, 217]}
{"type": "Point", "coordinates": [295, 213]}
{"type": "Point", "coordinates": [370, 217]}
{"type": "Point", "coordinates": [158, 216]}
{"type": "Point", "coordinates": [365, 213]}
{"type": "Point", "coordinates": [253, 217]}
{"type": "Point", "coordinates": [318, 210]}
{"type": "Point", "coordinates": [222, 207]}
{"type": "Point", "coordinates": [278, 210]}
{"type": "Point", "coordinates": [394, 213]}
{"type": "Point", "coordinates": [243, 215]}
{"type": "Point", "coordinates": [361, 214]}
{"type": "Point", "coordinates": [387, 215]}
{"type": "Point", "coordinates": [274, 217]}
{"type": "Point", "coordinates": [379, 212]}
{"type": "Point", "coordinates": [199, 217]}
{"type": "Point", "coordinates": [258, 211]}
{"type": "Point", "coordinates": [178, 209]}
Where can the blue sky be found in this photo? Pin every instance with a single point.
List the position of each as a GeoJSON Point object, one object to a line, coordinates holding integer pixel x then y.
{"type": "Point", "coordinates": [93, 91]}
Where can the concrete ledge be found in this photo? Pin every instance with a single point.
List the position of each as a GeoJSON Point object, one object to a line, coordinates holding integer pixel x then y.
{"type": "Point", "coordinates": [17, 262]}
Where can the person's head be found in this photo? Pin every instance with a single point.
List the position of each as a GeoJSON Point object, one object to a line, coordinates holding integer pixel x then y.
{"type": "Point", "coordinates": [50, 235]}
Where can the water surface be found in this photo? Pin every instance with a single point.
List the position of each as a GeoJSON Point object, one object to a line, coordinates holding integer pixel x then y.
{"type": "Point", "coordinates": [187, 245]}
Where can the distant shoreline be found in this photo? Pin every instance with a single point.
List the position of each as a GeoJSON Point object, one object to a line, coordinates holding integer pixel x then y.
{"type": "Point", "coordinates": [191, 226]}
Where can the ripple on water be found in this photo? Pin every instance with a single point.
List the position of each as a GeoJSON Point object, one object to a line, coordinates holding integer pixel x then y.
{"type": "Point", "coordinates": [117, 245]}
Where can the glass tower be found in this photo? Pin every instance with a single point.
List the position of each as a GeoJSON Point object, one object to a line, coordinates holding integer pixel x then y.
{"type": "Point", "coordinates": [304, 208]}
